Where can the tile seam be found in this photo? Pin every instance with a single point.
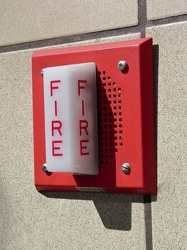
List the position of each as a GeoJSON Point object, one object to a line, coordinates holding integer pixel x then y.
{"type": "Point", "coordinates": [148, 222]}
{"type": "Point", "coordinates": [167, 20]}
{"type": "Point", "coordinates": [70, 39]}
{"type": "Point", "coordinates": [140, 28]}
{"type": "Point", "coordinates": [142, 18]}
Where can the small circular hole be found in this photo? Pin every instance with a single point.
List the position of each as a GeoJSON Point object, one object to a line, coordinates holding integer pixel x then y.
{"type": "Point", "coordinates": [119, 89]}
{"type": "Point", "coordinates": [120, 119]}
{"type": "Point", "coordinates": [114, 84]}
{"type": "Point", "coordinates": [109, 78]}
{"type": "Point", "coordinates": [109, 84]}
{"type": "Point", "coordinates": [114, 96]}
{"type": "Point", "coordinates": [104, 72]}
{"type": "Point", "coordinates": [119, 95]}
{"type": "Point", "coordinates": [104, 78]}
{"type": "Point", "coordinates": [114, 89]}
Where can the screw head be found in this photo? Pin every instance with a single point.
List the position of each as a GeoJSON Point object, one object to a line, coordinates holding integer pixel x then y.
{"type": "Point", "coordinates": [122, 65]}
{"type": "Point", "coordinates": [126, 168]}
{"type": "Point", "coordinates": [44, 168]}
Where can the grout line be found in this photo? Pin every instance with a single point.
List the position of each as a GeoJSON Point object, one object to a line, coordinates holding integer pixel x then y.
{"type": "Point", "coordinates": [143, 23]}
{"type": "Point", "coordinates": [148, 222]}
{"type": "Point", "coordinates": [167, 20]}
{"type": "Point", "coordinates": [70, 39]}
{"type": "Point", "coordinates": [142, 16]}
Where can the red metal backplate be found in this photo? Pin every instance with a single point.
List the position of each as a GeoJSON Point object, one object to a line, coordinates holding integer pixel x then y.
{"type": "Point", "coordinates": [125, 118]}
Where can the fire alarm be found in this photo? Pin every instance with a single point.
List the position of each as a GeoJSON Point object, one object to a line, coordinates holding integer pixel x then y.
{"type": "Point", "coordinates": [93, 116]}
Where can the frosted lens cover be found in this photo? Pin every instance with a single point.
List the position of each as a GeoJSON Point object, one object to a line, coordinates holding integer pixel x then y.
{"type": "Point", "coordinates": [71, 134]}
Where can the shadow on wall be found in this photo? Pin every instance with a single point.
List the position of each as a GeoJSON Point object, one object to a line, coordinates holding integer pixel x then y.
{"type": "Point", "coordinates": [115, 209]}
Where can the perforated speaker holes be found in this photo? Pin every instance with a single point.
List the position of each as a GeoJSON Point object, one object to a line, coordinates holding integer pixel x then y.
{"type": "Point", "coordinates": [110, 117]}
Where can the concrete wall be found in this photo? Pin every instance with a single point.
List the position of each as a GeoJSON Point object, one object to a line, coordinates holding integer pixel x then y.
{"type": "Point", "coordinates": [33, 221]}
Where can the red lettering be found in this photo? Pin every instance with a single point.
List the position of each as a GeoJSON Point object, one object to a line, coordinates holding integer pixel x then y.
{"type": "Point", "coordinates": [53, 87]}
{"type": "Point", "coordinates": [82, 108]}
{"type": "Point", "coordinates": [56, 148]}
{"type": "Point", "coordinates": [56, 125]}
{"type": "Point", "coordinates": [81, 87]}
{"type": "Point", "coordinates": [56, 113]}
{"type": "Point", "coordinates": [83, 124]}
{"type": "Point", "coordinates": [83, 147]}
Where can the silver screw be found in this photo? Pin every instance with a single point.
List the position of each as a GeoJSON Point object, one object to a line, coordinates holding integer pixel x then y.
{"type": "Point", "coordinates": [42, 72]}
{"type": "Point", "coordinates": [44, 168]}
{"type": "Point", "coordinates": [126, 168]}
{"type": "Point", "coordinates": [122, 65]}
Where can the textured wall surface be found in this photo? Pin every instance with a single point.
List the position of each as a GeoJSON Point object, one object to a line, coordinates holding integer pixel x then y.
{"type": "Point", "coordinates": [34, 221]}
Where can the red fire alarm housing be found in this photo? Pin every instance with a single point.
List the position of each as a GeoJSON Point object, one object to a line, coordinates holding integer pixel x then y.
{"type": "Point", "coordinates": [125, 114]}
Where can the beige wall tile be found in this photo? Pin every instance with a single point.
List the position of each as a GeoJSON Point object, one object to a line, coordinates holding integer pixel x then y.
{"type": "Point", "coordinates": [170, 210]}
{"type": "Point", "coordinates": [32, 221]}
{"type": "Point", "coordinates": [165, 8]}
{"type": "Point", "coordinates": [24, 21]}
